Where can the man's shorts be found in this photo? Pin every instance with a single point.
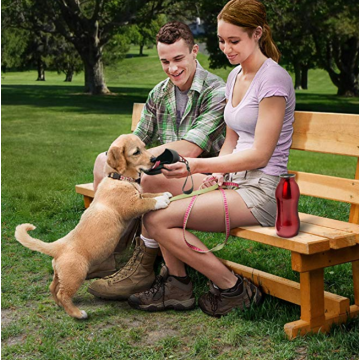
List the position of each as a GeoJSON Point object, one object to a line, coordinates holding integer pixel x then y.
{"type": "Point", "coordinates": [258, 192]}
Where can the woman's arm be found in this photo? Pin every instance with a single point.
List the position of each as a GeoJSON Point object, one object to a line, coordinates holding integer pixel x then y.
{"type": "Point", "coordinates": [267, 132]}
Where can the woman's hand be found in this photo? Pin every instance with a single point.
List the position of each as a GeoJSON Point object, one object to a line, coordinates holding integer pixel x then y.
{"type": "Point", "coordinates": [210, 180]}
{"type": "Point", "coordinates": [178, 170]}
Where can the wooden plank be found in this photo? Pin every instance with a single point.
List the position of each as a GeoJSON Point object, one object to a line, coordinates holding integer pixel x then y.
{"type": "Point", "coordinates": [85, 189]}
{"type": "Point", "coordinates": [304, 263]}
{"type": "Point", "coordinates": [136, 115]}
{"type": "Point", "coordinates": [285, 289]}
{"type": "Point", "coordinates": [312, 297]}
{"type": "Point", "coordinates": [302, 243]}
{"type": "Point", "coordinates": [330, 223]}
{"type": "Point", "coordinates": [355, 272]}
{"type": "Point", "coordinates": [328, 187]}
{"type": "Point", "coordinates": [337, 238]}
{"type": "Point", "coordinates": [326, 133]}
{"type": "Point", "coordinates": [354, 210]}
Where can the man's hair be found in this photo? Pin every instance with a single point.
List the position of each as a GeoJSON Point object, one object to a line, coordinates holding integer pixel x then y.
{"type": "Point", "coordinates": [174, 31]}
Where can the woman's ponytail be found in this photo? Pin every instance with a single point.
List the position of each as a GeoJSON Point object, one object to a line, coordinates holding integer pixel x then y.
{"type": "Point", "coordinates": [267, 44]}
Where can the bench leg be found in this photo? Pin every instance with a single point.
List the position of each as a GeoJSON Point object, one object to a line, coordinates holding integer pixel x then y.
{"type": "Point", "coordinates": [355, 271]}
{"type": "Point", "coordinates": [87, 201]}
{"type": "Point", "coordinates": [313, 316]}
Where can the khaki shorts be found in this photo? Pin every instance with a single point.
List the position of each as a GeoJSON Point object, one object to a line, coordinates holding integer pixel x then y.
{"type": "Point", "coordinates": [258, 192]}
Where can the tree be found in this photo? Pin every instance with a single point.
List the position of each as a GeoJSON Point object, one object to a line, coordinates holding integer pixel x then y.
{"type": "Point", "coordinates": [289, 29]}
{"type": "Point", "coordinates": [145, 30]}
{"type": "Point", "coordinates": [65, 59]}
{"type": "Point", "coordinates": [335, 30]}
{"type": "Point", "coordinates": [13, 45]}
{"type": "Point", "coordinates": [88, 24]}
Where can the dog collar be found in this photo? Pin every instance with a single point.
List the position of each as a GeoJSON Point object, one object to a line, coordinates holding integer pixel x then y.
{"type": "Point", "coordinates": [117, 176]}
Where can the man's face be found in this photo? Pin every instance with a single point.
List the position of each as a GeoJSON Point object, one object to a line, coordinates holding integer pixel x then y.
{"type": "Point", "coordinates": [178, 62]}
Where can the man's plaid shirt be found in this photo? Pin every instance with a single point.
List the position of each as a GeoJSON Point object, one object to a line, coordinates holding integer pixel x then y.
{"type": "Point", "coordinates": [202, 122]}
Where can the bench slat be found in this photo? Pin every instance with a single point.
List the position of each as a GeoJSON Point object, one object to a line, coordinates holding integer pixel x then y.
{"type": "Point", "coordinates": [328, 187]}
{"type": "Point", "coordinates": [326, 133]}
{"type": "Point", "coordinates": [303, 243]}
{"type": "Point", "coordinates": [85, 189]}
{"type": "Point", "coordinates": [338, 238]}
{"type": "Point", "coordinates": [136, 115]}
{"type": "Point", "coordinates": [330, 223]}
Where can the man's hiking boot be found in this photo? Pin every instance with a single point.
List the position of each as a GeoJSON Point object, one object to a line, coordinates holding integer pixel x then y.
{"type": "Point", "coordinates": [220, 302]}
{"type": "Point", "coordinates": [136, 276]}
{"type": "Point", "coordinates": [106, 268]}
{"type": "Point", "coordinates": [167, 292]}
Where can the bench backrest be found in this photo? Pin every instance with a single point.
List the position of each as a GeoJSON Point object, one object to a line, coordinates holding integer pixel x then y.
{"type": "Point", "coordinates": [328, 133]}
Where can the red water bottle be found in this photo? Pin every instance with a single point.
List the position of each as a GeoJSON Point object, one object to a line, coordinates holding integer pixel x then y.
{"type": "Point", "coordinates": [287, 200]}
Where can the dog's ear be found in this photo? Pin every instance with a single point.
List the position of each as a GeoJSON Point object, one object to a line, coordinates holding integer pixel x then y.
{"type": "Point", "coordinates": [116, 158]}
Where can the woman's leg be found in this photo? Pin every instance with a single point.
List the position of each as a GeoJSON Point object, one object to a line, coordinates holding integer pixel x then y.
{"type": "Point", "coordinates": [165, 226]}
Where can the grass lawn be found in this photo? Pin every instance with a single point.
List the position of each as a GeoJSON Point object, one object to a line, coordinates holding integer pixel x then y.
{"type": "Point", "coordinates": [51, 134]}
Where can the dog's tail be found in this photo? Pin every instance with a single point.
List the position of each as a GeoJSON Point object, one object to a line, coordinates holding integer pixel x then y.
{"type": "Point", "coordinates": [21, 235]}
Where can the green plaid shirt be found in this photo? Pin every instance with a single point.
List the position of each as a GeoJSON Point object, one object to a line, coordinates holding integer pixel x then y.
{"type": "Point", "coordinates": [202, 122]}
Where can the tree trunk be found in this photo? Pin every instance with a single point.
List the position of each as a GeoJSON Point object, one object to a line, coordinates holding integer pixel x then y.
{"type": "Point", "coordinates": [141, 52]}
{"type": "Point", "coordinates": [94, 78]}
{"type": "Point", "coordinates": [69, 75]}
{"type": "Point", "coordinates": [41, 71]}
{"type": "Point", "coordinates": [348, 86]}
{"type": "Point", "coordinates": [297, 69]}
{"type": "Point", "coordinates": [304, 77]}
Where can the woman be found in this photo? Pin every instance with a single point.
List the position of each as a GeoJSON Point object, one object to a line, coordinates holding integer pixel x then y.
{"type": "Point", "coordinates": [259, 116]}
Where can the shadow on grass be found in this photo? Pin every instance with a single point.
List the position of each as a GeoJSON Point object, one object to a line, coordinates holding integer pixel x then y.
{"type": "Point", "coordinates": [71, 98]}
{"type": "Point", "coordinates": [122, 98]}
{"type": "Point", "coordinates": [326, 103]}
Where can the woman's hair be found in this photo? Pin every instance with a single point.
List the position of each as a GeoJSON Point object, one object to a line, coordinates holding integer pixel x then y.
{"type": "Point", "coordinates": [249, 14]}
{"type": "Point", "coordinates": [174, 31]}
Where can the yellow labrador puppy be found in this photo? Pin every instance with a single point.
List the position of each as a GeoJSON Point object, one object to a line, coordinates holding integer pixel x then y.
{"type": "Point", "coordinates": [118, 199]}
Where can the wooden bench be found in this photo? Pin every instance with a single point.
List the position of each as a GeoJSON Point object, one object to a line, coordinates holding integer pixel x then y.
{"type": "Point", "coordinates": [322, 242]}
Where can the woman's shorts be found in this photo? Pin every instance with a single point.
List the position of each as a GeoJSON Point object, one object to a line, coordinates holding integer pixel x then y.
{"type": "Point", "coordinates": [258, 192]}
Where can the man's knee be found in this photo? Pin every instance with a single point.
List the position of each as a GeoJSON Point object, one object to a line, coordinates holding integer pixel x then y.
{"type": "Point", "coordinates": [149, 222]}
{"type": "Point", "coordinates": [98, 170]}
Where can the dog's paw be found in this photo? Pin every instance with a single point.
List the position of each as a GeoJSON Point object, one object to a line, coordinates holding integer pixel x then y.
{"type": "Point", "coordinates": [161, 202]}
{"type": "Point", "coordinates": [84, 315]}
{"type": "Point", "coordinates": [168, 195]}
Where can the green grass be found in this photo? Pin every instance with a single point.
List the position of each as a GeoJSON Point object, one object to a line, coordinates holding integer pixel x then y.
{"type": "Point", "coordinates": [51, 134]}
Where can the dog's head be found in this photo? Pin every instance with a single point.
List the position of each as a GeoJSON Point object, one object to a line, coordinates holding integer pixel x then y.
{"type": "Point", "coordinates": [127, 156]}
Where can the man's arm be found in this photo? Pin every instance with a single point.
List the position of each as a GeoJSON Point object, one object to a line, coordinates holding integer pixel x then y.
{"type": "Point", "coordinates": [183, 147]}
{"type": "Point", "coordinates": [207, 132]}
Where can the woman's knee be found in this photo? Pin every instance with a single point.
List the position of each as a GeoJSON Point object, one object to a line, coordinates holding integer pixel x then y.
{"type": "Point", "coordinates": [153, 184]}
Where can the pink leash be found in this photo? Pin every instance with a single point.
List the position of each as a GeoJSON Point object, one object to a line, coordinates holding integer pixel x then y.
{"type": "Point", "coordinates": [227, 220]}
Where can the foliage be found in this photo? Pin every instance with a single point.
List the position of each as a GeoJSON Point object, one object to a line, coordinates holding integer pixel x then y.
{"type": "Point", "coordinates": [145, 30]}
{"type": "Point", "coordinates": [308, 33]}
{"type": "Point", "coordinates": [13, 45]}
{"type": "Point", "coordinates": [338, 46]}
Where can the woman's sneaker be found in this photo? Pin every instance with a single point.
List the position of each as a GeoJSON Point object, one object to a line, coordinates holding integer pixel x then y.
{"type": "Point", "coordinates": [220, 302]}
{"type": "Point", "coordinates": [167, 292]}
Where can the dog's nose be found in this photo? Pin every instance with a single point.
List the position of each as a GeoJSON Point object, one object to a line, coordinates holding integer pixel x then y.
{"type": "Point", "coordinates": [153, 159]}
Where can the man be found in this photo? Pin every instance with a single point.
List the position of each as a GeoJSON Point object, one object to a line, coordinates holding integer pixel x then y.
{"type": "Point", "coordinates": [184, 113]}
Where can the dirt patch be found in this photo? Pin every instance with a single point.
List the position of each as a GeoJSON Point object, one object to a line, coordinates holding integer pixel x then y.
{"type": "Point", "coordinates": [152, 337]}
{"type": "Point", "coordinates": [14, 340]}
{"type": "Point", "coordinates": [7, 316]}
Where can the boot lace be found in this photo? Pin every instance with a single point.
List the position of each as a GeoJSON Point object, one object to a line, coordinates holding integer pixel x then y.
{"type": "Point", "coordinates": [158, 285]}
{"type": "Point", "coordinates": [214, 300]}
{"type": "Point", "coordinates": [124, 272]}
